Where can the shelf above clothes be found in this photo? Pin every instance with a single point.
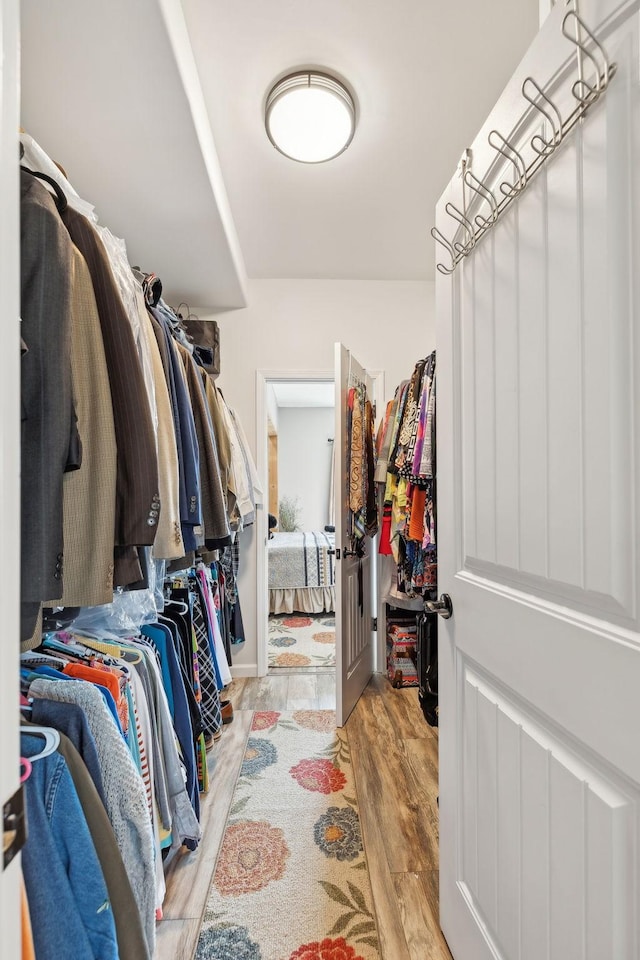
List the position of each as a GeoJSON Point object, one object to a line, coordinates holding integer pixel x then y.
{"type": "Point", "coordinates": [113, 91]}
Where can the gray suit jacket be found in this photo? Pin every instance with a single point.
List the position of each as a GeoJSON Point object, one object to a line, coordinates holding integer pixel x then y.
{"type": "Point", "coordinates": [48, 423]}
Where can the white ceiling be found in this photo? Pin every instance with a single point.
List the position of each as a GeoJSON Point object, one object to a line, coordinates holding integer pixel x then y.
{"type": "Point", "coordinates": [425, 74]}
{"type": "Point", "coordinates": [155, 108]}
{"type": "Point", "coordinates": [304, 394]}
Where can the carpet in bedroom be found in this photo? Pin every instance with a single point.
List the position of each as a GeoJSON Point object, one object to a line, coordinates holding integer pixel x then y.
{"type": "Point", "coordinates": [302, 640]}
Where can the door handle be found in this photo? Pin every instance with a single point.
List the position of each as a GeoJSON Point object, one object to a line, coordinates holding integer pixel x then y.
{"type": "Point", "coordinates": [334, 553]}
{"type": "Point", "coordinates": [443, 607]}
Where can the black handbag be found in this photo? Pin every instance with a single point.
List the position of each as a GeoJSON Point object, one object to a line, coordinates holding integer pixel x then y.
{"type": "Point", "coordinates": [427, 650]}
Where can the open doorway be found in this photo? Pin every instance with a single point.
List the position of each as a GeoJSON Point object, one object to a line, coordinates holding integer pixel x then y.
{"type": "Point", "coordinates": [301, 539]}
{"type": "Point", "coordinates": [297, 591]}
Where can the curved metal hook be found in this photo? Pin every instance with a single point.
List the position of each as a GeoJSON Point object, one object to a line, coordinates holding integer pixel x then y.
{"type": "Point", "coordinates": [485, 194]}
{"type": "Point", "coordinates": [457, 215]}
{"type": "Point", "coordinates": [550, 113]}
{"type": "Point", "coordinates": [502, 147]}
{"type": "Point", "coordinates": [440, 267]}
{"type": "Point", "coordinates": [441, 239]}
{"type": "Point", "coordinates": [602, 71]}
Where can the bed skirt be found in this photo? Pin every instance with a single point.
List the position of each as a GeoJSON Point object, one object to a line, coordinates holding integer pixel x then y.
{"type": "Point", "coordinates": [302, 600]}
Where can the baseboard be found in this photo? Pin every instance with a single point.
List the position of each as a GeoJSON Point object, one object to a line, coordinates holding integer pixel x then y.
{"type": "Point", "coordinates": [245, 670]}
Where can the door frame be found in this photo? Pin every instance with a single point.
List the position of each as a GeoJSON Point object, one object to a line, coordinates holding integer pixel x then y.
{"type": "Point", "coordinates": [263, 379]}
{"type": "Point", "coordinates": [10, 445]}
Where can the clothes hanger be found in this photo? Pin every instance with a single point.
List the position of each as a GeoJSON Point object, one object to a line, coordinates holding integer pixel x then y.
{"type": "Point", "coordinates": [178, 606]}
{"type": "Point", "coordinates": [71, 652]}
{"type": "Point", "coordinates": [51, 740]}
{"type": "Point", "coordinates": [60, 198]}
{"type": "Point", "coordinates": [122, 650]}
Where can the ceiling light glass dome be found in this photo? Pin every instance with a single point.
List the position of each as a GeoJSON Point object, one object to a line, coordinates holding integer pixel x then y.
{"type": "Point", "coordinates": [310, 116]}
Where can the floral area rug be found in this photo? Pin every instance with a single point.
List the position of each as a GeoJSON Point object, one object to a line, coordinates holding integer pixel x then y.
{"type": "Point", "coordinates": [291, 881]}
{"type": "Point", "coordinates": [302, 640]}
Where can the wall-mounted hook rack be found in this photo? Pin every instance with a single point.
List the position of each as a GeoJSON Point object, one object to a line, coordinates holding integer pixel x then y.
{"type": "Point", "coordinates": [585, 91]}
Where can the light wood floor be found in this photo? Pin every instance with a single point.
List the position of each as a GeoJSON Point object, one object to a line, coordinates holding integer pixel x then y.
{"type": "Point", "coordinates": [395, 758]}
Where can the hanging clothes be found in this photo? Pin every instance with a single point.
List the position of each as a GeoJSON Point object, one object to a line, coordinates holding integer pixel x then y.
{"type": "Point", "coordinates": [137, 497]}
{"type": "Point", "coordinates": [69, 901]}
{"type": "Point", "coordinates": [214, 515]}
{"type": "Point", "coordinates": [124, 377]}
{"type": "Point", "coordinates": [361, 465]}
{"type": "Point", "coordinates": [26, 932]}
{"type": "Point", "coordinates": [49, 437]}
{"type": "Point", "coordinates": [89, 493]}
{"type": "Point", "coordinates": [124, 793]}
{"type": "Point", "coordinates": [406, 474]}
{"type": "Point", "coordinates": [133, 465]}
{"type": "Point", "coordinates": [168, 543]}
{"type": "Point", "coordinates": [129, 932]}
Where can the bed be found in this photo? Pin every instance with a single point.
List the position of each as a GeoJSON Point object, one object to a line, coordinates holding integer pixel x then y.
{"type": "Point", "coordinates": [301, 572]}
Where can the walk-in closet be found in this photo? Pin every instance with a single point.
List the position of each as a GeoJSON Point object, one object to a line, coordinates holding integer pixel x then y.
{"type": "Point", "coordinates": [320, 503]}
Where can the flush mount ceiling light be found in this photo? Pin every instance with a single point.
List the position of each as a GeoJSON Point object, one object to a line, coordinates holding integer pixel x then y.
{"type": "Point", "coordinates": [310, 116]}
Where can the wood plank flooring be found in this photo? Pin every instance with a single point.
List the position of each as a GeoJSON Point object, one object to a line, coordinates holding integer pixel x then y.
{"type": "Point", "coordinates": [287, 689]}
{"type": "Point", "coordinates": [395, 758]}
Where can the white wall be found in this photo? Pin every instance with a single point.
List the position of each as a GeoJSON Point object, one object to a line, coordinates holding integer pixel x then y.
{"type": "Point", "coordinates": [305, 460]}
{"type": "Point", "coordinates": [293, 325]}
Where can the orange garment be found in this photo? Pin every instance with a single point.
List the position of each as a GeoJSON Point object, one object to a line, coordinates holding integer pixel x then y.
{"type": "Point", "coordinates": [102, 677]}
{"type": "Point", "coordinates": [416, 526]}
{"type": "Point", "coordinates": [28, 952]}
{"type": "Point", "coordinates": [122, 704]}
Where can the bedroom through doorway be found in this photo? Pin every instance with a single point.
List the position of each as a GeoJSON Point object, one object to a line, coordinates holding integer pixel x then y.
{"type": "Point", "coordinates": [301, 522]}
{"type": "Point", "coordinates": [299, 595]}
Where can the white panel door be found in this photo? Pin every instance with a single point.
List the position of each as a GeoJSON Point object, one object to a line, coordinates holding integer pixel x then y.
{"type": "Point", "coordinates": [538, 342]}
{"type": "Point", "coordinates": [9, 452]}
{"type": "Point", "coordinates": [355, 648]}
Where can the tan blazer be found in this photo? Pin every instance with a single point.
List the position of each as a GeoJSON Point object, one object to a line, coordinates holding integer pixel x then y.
{"type": "Point", "coordinates": [89, 507]}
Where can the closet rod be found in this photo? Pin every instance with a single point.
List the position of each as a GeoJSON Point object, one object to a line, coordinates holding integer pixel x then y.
{"type": "Point", "coordinates": [555, 131]}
